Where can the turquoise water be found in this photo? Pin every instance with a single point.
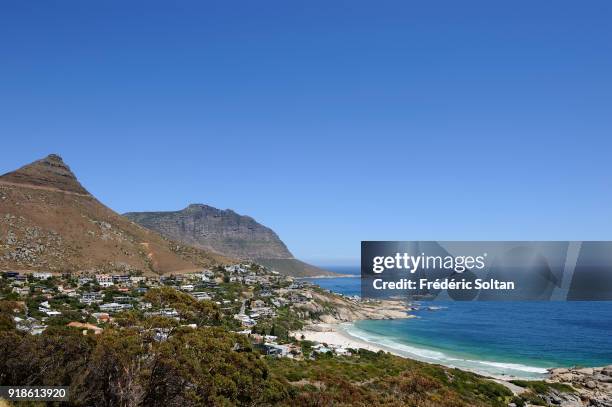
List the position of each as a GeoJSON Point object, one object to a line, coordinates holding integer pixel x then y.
{"type": "Point", "coordinates": [519, 339]}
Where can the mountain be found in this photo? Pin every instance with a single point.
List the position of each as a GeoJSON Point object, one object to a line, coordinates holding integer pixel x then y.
{"type": "Point", "coordinates": [227, 233]}
{"type": "Point", "coordinates": [50, 222]}
{"type": "Point", "coordinates": [210, 228]}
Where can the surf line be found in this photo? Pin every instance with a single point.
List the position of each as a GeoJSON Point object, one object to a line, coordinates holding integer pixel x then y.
{"type": "Point", "coordinates": [443, 284]}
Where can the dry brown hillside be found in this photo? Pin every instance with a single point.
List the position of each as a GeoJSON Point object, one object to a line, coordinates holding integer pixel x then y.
{"type": "Point", "coordinates": [48, 221]}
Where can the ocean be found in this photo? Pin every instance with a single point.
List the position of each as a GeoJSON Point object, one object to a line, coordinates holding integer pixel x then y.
{"type": "Point", "coordinates": [520, 339]}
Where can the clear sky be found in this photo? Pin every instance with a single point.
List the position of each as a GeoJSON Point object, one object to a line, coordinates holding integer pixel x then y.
{"type": "Point", "coordinates": [329, 121]}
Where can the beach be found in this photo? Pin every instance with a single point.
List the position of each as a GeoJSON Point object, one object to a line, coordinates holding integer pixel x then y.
{"type": "Point", "coordinates": [333, 334]}
{"type": "Point", "coordinates": [338, 335]}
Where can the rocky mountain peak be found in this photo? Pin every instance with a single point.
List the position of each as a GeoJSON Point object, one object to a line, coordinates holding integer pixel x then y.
{"type": "Point", "coordinates": [48, 172]}
{"type": "Point", "coordinates": [223, 231]}
{"type": "Point", "coordinates": [228, 233]}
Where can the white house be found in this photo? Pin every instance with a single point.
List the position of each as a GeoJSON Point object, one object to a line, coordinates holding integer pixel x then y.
{"type": "Point", "coordinates": [104, 280]}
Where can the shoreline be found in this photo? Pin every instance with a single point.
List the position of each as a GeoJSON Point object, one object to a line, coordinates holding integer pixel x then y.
{"type": "Point", "coordinates": [334, 334]}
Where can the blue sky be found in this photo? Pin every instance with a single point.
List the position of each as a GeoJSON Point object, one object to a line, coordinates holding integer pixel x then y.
{"type": "Point", "coordinates": [331, 122]}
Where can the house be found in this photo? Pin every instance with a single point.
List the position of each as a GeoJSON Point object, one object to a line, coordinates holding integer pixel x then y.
{"type": "Point", "coordinates": [104, 280]}
{"type": "Point", "coordinates": [168, 312]}
{"type": "Point", "coordinates": [236, 268]}
{"type": "Point", "coordinates": [91, 298]}
{"type": "Point", "coordinates": [119, 279]}
{"type": "Point", "coordinates": [22, 291]}
{"type": "Point", "coordinates": [273, 349]}
{"type": "Point", "coordinates": [263, 311]}
{"type": "Point", "coordinates": [245, 320]}
{"type": "Point", "coordinates": [270, 338]}
{"type": "Point", "coordinates": [137, 279]}
{"type": "Point", "coordinates": [342, 351]}
{"type": "Point", "coordinates": [320, 349]}
{"type": "Point", "coordinates": [201, 296]}
{"type": "Point", "coordinates": [187, 287]}
{"type": "Point", "coordinates": [70, 292]}
{"type": "Point", "coordinates": [42, 275]}
{"type": "Point", "coordinates": [114, 307]}
{"type": "Point", "coordinates": [101, 317]}
{"type": "Point", "coordinates": [161, 334]}
{"type": "Point", "coordinates": [86, 327]}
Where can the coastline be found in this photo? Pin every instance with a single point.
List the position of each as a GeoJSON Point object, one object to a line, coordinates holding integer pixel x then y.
{"type": "Point", "coordinates": [338, 330]}
{"type": "Point", "coordinates": [336, 334]}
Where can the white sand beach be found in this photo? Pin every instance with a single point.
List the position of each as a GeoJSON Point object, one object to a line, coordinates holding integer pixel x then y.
{"type": "Point", "coordinates": [332, 334]}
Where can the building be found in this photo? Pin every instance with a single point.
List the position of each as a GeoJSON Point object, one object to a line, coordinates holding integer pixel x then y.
{"type": "Point", "coordinates": [101, 317]}
{"type": "Point", "coordinates": [91, 298]}
{"type": "Point", "coordinates": [84, 280]}
{"type": "Point", "coordinates": [114, 307]}
{"type": "Point", "coordinates": [245, 320]}
{"type": "Point", "coordinates": [201, 296]}
{"type": "Point", "coordinates": [86, 327]}
{"type": "Point", "coordinates": [104, 280]}
{"type": "Point", "coordinates": [273, 349]}
{"type": "Point", "coordinates": [138, 279]}
{"type": "Point", "coordinates": [118, 279]}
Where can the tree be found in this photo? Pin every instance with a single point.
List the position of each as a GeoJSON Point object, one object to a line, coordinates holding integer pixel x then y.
{"type": "Point", "coordinates": [206, 366]}
{"type": "Point", "coordinates": [113, 375]}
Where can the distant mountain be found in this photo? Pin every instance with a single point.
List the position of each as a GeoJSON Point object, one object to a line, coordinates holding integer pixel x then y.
{"type": "Point", "coordinates": [227, 233]}
{"type": "Point", "coordinates": [49, 221]}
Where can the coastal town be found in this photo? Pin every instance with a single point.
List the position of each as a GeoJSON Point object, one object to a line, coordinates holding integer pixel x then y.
{"type": "Point", "coordinates": [261, 304]}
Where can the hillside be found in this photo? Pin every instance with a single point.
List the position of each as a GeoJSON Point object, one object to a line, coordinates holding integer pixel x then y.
{"type": "Point", "coordinates": [227, 233]}
{"type": "Point", "coordinates": [49, 221]}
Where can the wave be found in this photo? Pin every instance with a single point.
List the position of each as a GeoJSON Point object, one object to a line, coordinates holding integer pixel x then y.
{"type": "Point", "coordinates": [485, 367]}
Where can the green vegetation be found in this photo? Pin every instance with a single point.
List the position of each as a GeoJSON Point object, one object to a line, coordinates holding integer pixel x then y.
{"type": "Point", "coordinates": [381, 379]}
{"type": "Point", "coordinates": [207, 366]}
{"type": "Point", "coordinates": [210, 366]}
{"type": "Point", "coordinates": [544, 387]}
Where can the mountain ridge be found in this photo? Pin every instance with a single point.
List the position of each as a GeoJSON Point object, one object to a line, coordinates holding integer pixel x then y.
{"type": "Point", "coordinates": [228, 233]}
{"type": "Point", "coordinates": [49, 173]}
{"type": "Point", "coordinates": [50, 222]}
